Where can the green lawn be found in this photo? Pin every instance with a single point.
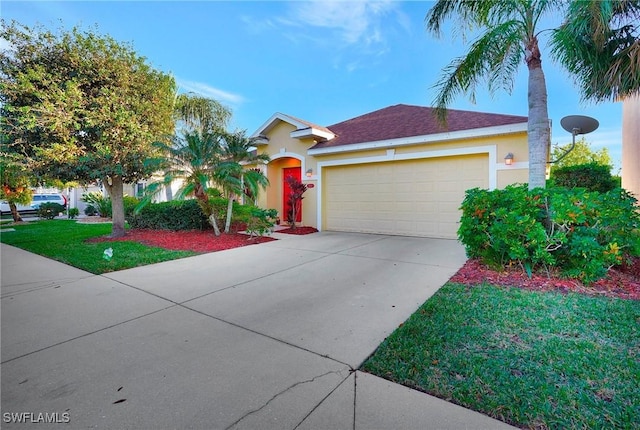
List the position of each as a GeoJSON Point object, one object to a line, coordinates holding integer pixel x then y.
{"type": "Point", "coordinates": [532, 359]}
{"type": "Point", "coordinates": [64, 240]}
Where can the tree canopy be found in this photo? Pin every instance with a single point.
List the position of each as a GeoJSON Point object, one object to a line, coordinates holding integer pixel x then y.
{"type": "Point", "coordinates": [81, 106]}
{"type": "Point", "coordinates": [582, 153]}
{"type": "Point", "coordinates": [597, 43]}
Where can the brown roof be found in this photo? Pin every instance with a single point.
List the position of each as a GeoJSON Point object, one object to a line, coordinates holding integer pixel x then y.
{"type": "Point", "coordinates": [310, 124]}
{"type": "Point", "coordinates": [407, 121]}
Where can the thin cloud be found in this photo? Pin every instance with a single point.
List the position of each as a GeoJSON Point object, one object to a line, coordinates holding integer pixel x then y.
{"type": "Point", "coordinates": [354, 21]}
{"type": "Point", "coordinates": [209, 91]}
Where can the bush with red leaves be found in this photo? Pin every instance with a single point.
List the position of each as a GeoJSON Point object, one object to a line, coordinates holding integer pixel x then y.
{"type": "Point", "coordinates": [186, 240]}
{"type": "Point", "coordinates": [621, 282]}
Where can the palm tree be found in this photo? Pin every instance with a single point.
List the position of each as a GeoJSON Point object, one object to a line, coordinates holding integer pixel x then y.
{"type": "Point", "coordinates": [237, 150]}
{"type": "Point", "coordinates": [195, 158]}
{"type": "Point", "coordinates": [599, 43]}
{"type": "Point", "coordinates": [604, 60]}
{"type": "Point", "coordinates": [511, 36]}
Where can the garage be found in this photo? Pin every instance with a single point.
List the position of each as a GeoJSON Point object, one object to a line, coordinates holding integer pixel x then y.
{"type": "Point", "coordinates": [413, 197]}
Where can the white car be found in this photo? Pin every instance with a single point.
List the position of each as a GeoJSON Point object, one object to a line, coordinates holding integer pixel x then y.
{"type": "Point", "coordinates": [36, 201]}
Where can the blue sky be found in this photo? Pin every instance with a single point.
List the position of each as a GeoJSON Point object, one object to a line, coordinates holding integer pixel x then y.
{"type": "Point", "coordinates": [322, 61]}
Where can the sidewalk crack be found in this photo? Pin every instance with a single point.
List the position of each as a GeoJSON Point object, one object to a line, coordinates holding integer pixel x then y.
{"type": "Point", "coordinates": [275, 396]}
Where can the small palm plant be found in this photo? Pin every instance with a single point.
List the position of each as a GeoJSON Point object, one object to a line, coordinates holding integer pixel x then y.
{"type": "Point", "coordinates": [194, 158]}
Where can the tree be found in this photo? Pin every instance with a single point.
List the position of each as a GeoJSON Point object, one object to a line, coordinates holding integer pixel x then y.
{"type": "Point", "coordinates": [83, 107]}
{"type": "Point", "coordinates": [196, 113]}
{"type": "Point", "coordinates": [194, 158]}
{"type": "Point", "coordinates": [239, 150]}
{"type": "Point", "coordinates": [580, 154]}
{"type": "Point", "coordinates": [599, 43]}
{"type": "Point", "coordinates": [15, 183]}
{"type": "Point", "coordinates": [510, 35]}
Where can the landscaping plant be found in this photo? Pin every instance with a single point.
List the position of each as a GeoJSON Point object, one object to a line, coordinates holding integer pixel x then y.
{"type": "Point", "coordinates": [294, 199]}
{"type": "Point", "coordinates": [50, 210]}
{"type": "Point", "coordinates": [260, 221]}
{"type": "Point", "coordinates": [101, 203]}
{"type": "Point", "coordinates": [575, 232]}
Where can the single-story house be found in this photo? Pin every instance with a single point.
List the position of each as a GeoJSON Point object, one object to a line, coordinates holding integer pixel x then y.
{"type": "Point", "coordinates": [396, 170]}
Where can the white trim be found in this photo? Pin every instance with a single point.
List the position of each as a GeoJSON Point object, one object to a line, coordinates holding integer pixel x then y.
{"type": "Point", "coordinates": [277, 116]}
{"type": "Point", "coordinates": [286, 154]}
{"type": "Point", "coordinates": [491, 150]}
{"type": "Point", "coordinates": [429, 138]}
{"type": "Point", "coordinates": [311, 132]}
{"type": "Point", "coordinates": [302, 129]}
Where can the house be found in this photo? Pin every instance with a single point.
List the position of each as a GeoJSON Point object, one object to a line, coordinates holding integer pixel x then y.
{"type": "Point", "coordinates": [396, 170]}
{"type": "Point", "coordinates": [631, 144]}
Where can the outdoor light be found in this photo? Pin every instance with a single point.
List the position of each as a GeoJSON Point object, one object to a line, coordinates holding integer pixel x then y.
{"type": "Point", "coordinates": [508, 159]}
{"type": "Point", "coordinates": [309, 173]}
{"type": "Point", "coordinates": [576, 124]}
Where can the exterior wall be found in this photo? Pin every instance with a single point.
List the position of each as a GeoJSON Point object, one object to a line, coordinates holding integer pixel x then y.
{"type": "Point", "coordinates": [631, 145]}
{"type": "Point", "coordinates": [286, 151]}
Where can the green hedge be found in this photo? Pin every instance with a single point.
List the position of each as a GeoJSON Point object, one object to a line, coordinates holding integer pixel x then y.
{"type": "Point", "coordinates": [187, 215]}
{"type": "Point", "coordinates": [173, 215]}
{"type": "Point", "coordinates": [577, 232]}
{"type": "Point", "coordinates": [592, 176]}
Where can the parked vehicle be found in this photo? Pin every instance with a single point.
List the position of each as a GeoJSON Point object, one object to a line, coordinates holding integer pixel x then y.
{"type": "Point", "coordinates": [36, 201]}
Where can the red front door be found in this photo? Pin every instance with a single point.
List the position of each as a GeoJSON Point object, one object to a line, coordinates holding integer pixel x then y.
{"type": "Point", "coordinates": [286, 190]}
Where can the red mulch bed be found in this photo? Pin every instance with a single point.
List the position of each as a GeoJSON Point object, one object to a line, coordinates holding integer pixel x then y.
{"type": "Point", "coordinates": [186, 240]}
{"type": "Point", "coordinates": [622, 282]}
{"type": "Point", "coordinates": [299, 230]}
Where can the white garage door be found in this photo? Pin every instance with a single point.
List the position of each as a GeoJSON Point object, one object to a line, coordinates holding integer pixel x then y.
{"type": "Point", "coordinates": [411, 198]}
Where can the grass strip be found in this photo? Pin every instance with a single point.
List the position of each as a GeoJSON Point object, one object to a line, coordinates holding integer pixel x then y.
{"type": "Point", "coordinates": [531, 359]}
{"type": "Point", "coordinates": [64, 241]}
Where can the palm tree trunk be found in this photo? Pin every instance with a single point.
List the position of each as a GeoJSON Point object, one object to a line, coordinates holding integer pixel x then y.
{"type": "Point", "coordinates": [538, 129]}
{"type": "Point", "coordinates": [227, 224]}
{"type": "Point", "coordinates": [214, 224]}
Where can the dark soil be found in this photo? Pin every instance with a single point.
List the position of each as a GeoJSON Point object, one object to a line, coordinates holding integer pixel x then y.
{"type": "Point", "coordinates": [187, 240]}
{"type": "Point", "coordinates": [622, 282]}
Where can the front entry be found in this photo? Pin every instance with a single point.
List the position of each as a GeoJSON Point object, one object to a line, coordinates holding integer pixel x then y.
{"type": "Point", "coordinates": [286, 190]}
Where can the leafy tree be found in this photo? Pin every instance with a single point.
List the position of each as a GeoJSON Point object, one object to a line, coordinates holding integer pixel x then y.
{"type": "Point", "coordinates": [510, 35]}
{"type": "Point", "coordinates": [599, 43]}
{"type": "Point", "coordinates": [83, 107]}
{"type": "Point", "coordinates": [15, 183]}
{"type": "Point", "coordinates": [580, 154]}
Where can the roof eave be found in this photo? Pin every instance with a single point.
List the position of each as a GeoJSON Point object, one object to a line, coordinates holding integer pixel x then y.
{"type": "Point", "coordinates": [429, 138]}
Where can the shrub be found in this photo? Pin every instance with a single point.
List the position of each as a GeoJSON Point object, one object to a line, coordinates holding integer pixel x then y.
{"type": "Point", "coordinates": [90, 210]}
{"type": "Point", "coordinates": [173, 215]}
{"type": "Point", "coordinates": [101, 203]}
{"type": "Point", "coordinates": [49, 210]}
{"type": "Point", "coordinates": [592, 176]}
{"type": "Point", "coordinates": [578, 232]}
{"type": "Point", "coordinates": [260, 221]}
{"type": "Point", "coordinates": [73, 213]}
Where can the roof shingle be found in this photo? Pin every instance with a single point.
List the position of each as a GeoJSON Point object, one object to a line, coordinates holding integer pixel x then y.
{"type": "Point", "coordinates": [402, 120]}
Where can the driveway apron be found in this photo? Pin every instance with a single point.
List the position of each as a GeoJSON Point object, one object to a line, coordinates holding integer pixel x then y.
{"type": "Point", "coordinates": [264, 336]}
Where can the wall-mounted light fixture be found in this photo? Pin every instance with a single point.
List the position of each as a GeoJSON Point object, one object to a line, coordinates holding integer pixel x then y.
{"type": "Point", "coordinates": [309, 173]}
{"type": "Point", "coordinates": [508, 159]}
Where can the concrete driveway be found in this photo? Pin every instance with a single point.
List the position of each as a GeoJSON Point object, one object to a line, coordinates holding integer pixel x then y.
{"type": "Point", "coordinates": [265, 336]}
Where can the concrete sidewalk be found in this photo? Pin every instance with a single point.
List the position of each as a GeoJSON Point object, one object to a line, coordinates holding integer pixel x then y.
{"type": "Point", "coordinates": [265, 336]}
